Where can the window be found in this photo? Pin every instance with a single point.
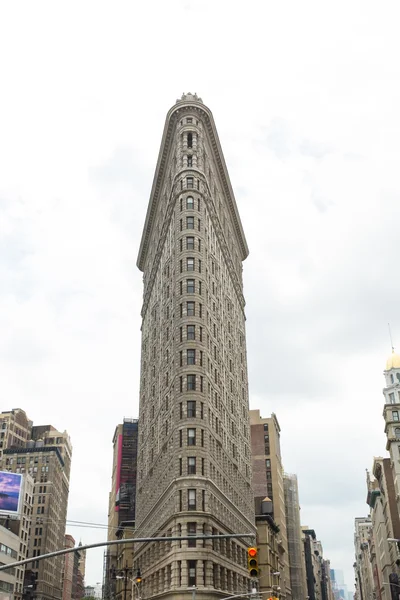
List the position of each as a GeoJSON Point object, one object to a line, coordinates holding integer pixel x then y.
{"type": "Point", "coordinates": [189, 161]}
{"type": "Point", "coordinates": [202, 466]}
{"type": "Point", "coordinates": [397, 433]}
{"type": "Point", "coordinates": [180, 438]}
{"type": "Point", "coordinates": [189, 222]}
{"type": "Point", "coordinates": [189, 203]}
{"type": "Point", "coordinates": [191, 383]}
{"type": "Point", "coordinates": [190, 286]}
{"type": "Point", "coordinates": [191, 466]}
{"type": "Point", "coordinates": [395, 415]}
{"type": "Point", "coordinates": [269, 475]}
{"type": "Point", "coordinates": [191, 530]}
{"type": "Point", "coordinates": [189, 182]}
{"type": "Point", "coordinates": [192, 499]}
{"type": "Point", "coordinates": [268, 463]}
{"type": "Point", "coordinates": [190, 140]}
{"type": "Point", "coordinates": [191, 357]}
{"type": "Point", "coordinates": [191, 437]}
{"type": "Point", "coordinates": [190, 332]}
{"type": "Point", "coordinates": [189, 120]}
{"type": "Point", "coordinates": [190, 243]}
{"type": "Point", "coordinates": [180, 467]}
{"type": "Point", "coordinates": [191, 409]}
{"type": "Point", "coordinates": [391, 398]}
{"type": "Point", "coordinates": [190, 264]}
{"type": "Point", "coordinates": [190, 309]}
{"type": "Point", "coordinates": [191, 567]}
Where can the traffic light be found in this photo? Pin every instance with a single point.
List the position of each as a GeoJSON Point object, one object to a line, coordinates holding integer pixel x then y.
{"type": "Point", "coordinates": [138, 577]}
{"type": "Point", "coordinates": [252, 561]}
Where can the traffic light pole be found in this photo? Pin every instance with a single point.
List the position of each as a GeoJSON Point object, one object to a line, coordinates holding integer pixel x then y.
{"type": "Point", "coordinates": [128, 541]}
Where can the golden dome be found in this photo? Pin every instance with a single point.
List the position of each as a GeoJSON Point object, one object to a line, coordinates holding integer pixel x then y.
{"type": "Point", "coordinates": [393, 362]}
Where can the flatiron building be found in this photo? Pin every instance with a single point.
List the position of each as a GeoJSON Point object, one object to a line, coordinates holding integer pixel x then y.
{"type": "Point", "coordinates": [194, 457]}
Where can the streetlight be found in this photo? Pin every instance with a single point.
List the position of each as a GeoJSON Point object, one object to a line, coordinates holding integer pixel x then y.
{"type": "Point", "coordinates": [135, 581]}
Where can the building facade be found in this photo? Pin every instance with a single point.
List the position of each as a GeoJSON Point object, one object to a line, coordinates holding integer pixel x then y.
{"type": "Point", "coordinates": [298, 582]}
{"type": "Point", "coordinates": [9, 549]}
{"type": "Point", "coordinates": [68, 569]}
{"type": "Point", "coordinates": [194, 462]}
{"type": "Point", "coordinates": [267, 471]}
{"type": "Point", "coordinates": [20, 525]}
{"type": "Point", "coordinates": [122, 506]}
{"type": "Point", "coordinates": [46, 458]}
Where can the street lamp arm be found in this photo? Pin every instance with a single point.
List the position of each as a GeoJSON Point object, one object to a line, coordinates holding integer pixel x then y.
{"type": "Point", "coordinates": [247, 595]}
{"type": "Point", "coordinates": [127, 541]}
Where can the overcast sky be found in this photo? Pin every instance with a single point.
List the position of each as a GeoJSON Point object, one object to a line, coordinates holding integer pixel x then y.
{"type": "Point", "coordinates": [306, 100]}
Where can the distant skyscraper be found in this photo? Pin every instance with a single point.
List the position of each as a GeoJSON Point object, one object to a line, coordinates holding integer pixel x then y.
{"type": "Point", "coordinates": [194, 440]}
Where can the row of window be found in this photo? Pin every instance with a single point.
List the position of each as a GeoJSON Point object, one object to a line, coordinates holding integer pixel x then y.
{"type": "Point", "coordinates": [190, 223]}
{"type": "Point", "coordinates": [193, 503]}
{"type": "Point", "coordinates": [392, 398]}
{"type": "Point", "coordinates": [191, 383]}
{"type": "Point", "coordinates": [191, 466]}
{"type": "Point", "coordinates": [190, 264]}
{"type": "Point", "coordinates": [190, 287]}
{"type": "Point", "coordinates": [190, 357]}
{"type": "Point", "coordinates": [189, 243]}
{"type": "Point", "coordinates": [190, 203]}
{"type": "Point", "coordinates": [9, 551]}
{"type": "Point", "coordinates": [190, 183]}
{"type": "Point", "coordinates": [191, 309]}
{"type": "Point", "coordinates": [191, 437]}
{"type": "Point", "coordinates": [191, 411]}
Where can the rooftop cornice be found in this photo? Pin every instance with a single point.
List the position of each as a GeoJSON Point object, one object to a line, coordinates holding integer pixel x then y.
{"type": "Point", "coordinates": [188, 101]}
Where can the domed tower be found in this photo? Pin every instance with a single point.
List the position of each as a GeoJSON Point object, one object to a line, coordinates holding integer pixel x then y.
{"type": "Point", "coordinates": [391, 414]}
{"type": "Point", "coordinates": [194, 459]}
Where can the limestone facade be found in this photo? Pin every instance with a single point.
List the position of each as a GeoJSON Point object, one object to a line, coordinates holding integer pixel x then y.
{"type": "Point", "coordinates": [268, 481]}
{"type": "Point", "coordinates": [194, 459]}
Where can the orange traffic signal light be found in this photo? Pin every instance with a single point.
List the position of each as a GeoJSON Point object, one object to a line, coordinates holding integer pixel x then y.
{"type": "Point", "coordinates": [252, 561]}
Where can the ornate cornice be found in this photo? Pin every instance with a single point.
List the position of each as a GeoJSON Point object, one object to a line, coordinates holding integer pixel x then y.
{"type": "Point", "coordinates": [182, 105]}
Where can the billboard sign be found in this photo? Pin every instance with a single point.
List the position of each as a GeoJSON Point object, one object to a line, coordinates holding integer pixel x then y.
{"type": "Point", "coordinates": [10, 493]}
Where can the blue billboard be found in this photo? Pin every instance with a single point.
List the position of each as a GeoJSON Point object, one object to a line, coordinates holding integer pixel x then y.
{"type": "Point", "coordinates": [10, 492]}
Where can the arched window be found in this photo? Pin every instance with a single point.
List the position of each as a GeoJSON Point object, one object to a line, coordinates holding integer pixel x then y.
{"type": "Point", "coordinates": [397, 433]}
{"type": "Point", "coordinates": [189, 203]}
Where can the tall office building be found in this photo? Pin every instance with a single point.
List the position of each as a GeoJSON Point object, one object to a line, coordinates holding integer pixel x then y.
{"type": "Point", "coordinates": [268, 482]}
{"type": "Point", "coordinates": [194, 441]}
{"type": "Point", "coordinates": [46, 456]}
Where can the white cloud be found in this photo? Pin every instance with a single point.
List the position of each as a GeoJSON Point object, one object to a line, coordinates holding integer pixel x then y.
{"type": "Point", "coordinates": [305, 97]}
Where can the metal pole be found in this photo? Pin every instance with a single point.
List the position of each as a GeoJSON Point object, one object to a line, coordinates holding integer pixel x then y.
{"type": "Point", "coordinates": [194, 593]}
{"type": "Point", "coordinates": [129, 541]}
{"type": "Point", "coordinates": [125, 579]}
